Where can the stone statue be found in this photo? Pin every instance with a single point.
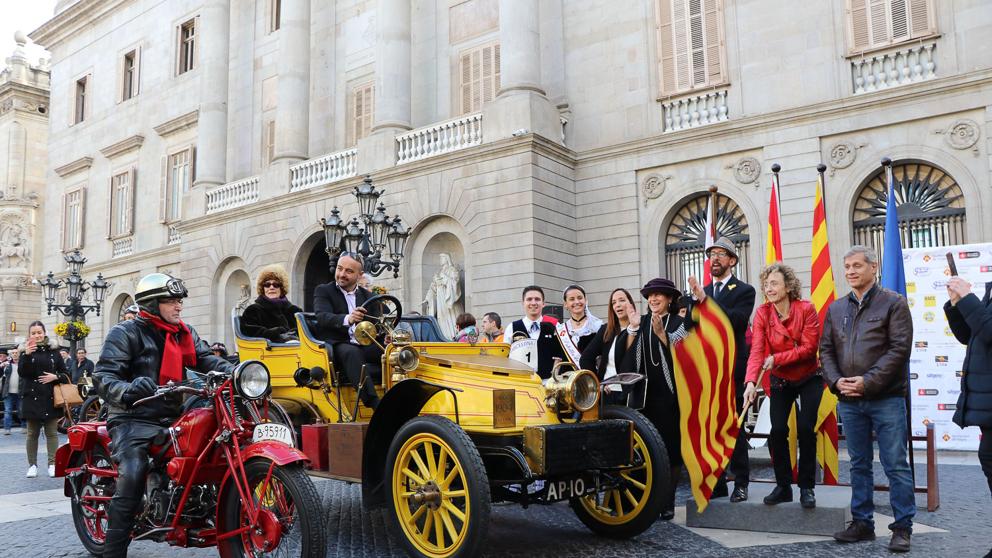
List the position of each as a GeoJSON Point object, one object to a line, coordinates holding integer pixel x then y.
{"type": "Point", "coordinates": [443, 295]}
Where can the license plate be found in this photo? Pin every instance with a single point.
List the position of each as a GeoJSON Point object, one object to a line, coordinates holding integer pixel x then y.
{"type": "Point", "coordinates": [271, 431]}
{"type": "Point", "coordinates": [566, 489]}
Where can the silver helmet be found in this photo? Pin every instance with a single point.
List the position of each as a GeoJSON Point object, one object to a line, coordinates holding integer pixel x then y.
{"type": "Point", "coordinates": [157, 286]}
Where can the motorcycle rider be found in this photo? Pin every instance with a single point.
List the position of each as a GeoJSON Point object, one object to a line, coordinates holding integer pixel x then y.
{"type": "Point", "coordinates": [137, 357]}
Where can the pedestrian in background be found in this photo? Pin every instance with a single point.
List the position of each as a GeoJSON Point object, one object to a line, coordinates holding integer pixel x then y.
{"type": "Point", "coordinates": [40, 368]}
{"type": "Point", "coordinates": [467, 332]}
{"type": "Point", "coordinates": [9, 390]}
{"type": "Point", "coordinates": [492, 328]}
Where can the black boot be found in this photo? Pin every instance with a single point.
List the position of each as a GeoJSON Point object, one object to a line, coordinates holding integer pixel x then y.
{"type": "Point", "coordinates": [807, 498]}
{"type": "Point", "coordinates": [115, 545]}
{"type": "Point", "coordinates": [780, 495]}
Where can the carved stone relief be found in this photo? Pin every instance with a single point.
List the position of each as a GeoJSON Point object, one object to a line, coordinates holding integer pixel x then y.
{"type": "Point", "coordinates": [15, 246]}
{"type": "Point", "coordinates": [653, 186]}
{"type": "Point", "coordinates": [746, 170]}
{"type": "Point", "coordinates": [842, 155]}
{"type": "Point", "coordinates": [962, 134]}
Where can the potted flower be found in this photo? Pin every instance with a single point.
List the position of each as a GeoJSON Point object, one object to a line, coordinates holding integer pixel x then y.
{"type": "Point", "coordinates": [72, 331]}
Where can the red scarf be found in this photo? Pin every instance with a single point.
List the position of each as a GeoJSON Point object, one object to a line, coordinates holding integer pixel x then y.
{"type": "Point", "coordinates": [179, 349]}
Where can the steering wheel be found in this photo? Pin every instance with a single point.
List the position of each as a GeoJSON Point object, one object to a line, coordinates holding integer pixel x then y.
{"type": "Point", "coordinates": [389, 310]}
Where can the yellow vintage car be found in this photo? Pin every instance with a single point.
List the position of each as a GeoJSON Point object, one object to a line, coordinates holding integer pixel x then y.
{"type": "Point", "coordinates": [460, 426]}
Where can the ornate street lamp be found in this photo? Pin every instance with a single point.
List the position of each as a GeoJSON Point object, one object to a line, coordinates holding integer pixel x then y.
{"type": "Point", "coordinates": [76, 288]}
{"type": "Point", "coordinates": [370, 233]}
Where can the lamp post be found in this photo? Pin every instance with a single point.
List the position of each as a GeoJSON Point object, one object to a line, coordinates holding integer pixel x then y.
{"type": "Point", "coordinates": [371, 233]}
{"type": "Point", "coordinates": [76, 288]}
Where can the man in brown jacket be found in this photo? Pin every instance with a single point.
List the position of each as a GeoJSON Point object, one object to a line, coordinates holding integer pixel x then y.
{"type": "Point", "coordinates": [864, 350]}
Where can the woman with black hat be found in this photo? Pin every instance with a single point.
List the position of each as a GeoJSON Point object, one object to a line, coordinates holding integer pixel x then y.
{"type": "Point", "coordinates": [661, 328]}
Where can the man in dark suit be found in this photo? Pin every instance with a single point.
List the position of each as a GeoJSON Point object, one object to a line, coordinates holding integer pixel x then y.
{"type": "Point", "coordinates": [736, 299]}
{"type": "Point", "coordinates": [338, 307]}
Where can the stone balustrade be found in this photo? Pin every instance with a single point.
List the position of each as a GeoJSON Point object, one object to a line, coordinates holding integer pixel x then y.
{"type": "Point", "coordinates": [436, 139]}
{"type": "Point", "coordinates": [122, 247]}
{"type": "Point", "coordinates": [233, 194]}
{"type": "Point", "coordinates": [323, 170]}
{"type": "Point", "coordinates": [882, 70]}
{"type": "Point", "coordinates": [695, 110]}
{"type": "Point", "coordinates": [174, 236]}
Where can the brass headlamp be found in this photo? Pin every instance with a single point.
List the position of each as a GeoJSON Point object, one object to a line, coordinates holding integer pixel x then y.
{"type": "Point", "coordinates": [571, 390]}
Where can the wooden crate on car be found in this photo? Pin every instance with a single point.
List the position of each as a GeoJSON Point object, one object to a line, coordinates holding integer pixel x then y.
{"type": "Point", "coordinates": [344, 450]}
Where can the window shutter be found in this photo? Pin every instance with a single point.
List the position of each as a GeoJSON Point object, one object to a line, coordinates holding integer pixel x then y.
{"type": "Point", "coordinates": [131, 189]}
{"type": "Point", "coordinates": [163, 192]}
{"type": "Point", "coordinates": [666, 47]}
{"type": "Point", "coordinates": [63, 230]}
{"type": "Point", "coordinates": [192, 169]}
{"type": "Point", "coordinates": [82, 216]}
{"type": "Point", "coordinates": [111, 196]}
{"type": "Point", "coordinates": [681, 39]}
{"type": "Point", "coordinates": [858, 16]}
{"type": "Point", "coordinates": [900, 20]}
{"type": "Point", "coordinates": [919, 17]}
{"type": "Point", "coordinates": [490, 76]}
{"type": "Point", "coordinates": [136, 80]}
{"type": "Point", "coordinates": [713, 35]}
{"type": "Point", "coordinates": [465, 65]}
{"type": "Point", "coordinates": [878, 22]}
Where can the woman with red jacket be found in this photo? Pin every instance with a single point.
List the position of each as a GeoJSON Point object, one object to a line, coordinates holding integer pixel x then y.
{"type": "Point", "coordinates": [786, 334]}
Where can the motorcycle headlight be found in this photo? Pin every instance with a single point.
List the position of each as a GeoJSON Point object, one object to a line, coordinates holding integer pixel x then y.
{"type": "Point", "coordinates": [406, 359]}
{"type": "Point", "coordinates": [251, 379]}
{"type": "Point", "coordinates": [582, 390]}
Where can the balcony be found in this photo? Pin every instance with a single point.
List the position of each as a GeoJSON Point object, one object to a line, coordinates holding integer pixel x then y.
{"type": "Point", "coordinates": [694, 111]}
{"type": "Point", "coordinates": [323, 170]}
{"type": "Point", "coordinates": [883, 70]}
{"type": "Point", "coordinates": [438, 139]}
{"type": "Point", "coordinates": [121, 247]}
{"type": "Point", "coordinates": [233, 194]}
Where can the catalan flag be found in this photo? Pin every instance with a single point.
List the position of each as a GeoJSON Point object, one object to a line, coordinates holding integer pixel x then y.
{"type": "Point", "coordinates": [704, 374]}
{"type": "Point", "coordinates": [773, 248]}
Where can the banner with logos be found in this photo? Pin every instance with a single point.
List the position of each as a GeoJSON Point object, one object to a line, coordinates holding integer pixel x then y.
{"type": "Point", "coordinates": [937, 358]}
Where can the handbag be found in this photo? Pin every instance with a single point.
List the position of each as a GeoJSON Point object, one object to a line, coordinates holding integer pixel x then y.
{"type": "Point", "coordinates": [67, 396]}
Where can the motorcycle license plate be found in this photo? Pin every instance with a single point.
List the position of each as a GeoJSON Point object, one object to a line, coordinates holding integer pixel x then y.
{"type": "Point", "coordinates": [272, 431]}
{"type": "Point", "coordinates": [566, 489]}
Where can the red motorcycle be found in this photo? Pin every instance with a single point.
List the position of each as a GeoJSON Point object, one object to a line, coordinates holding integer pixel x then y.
{"type": "Point", "coordinates": [225, 474]}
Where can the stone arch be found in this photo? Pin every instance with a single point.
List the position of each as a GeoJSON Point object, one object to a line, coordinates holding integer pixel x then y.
{"type": "Point", "coordinates": [117, 307]}
{"type": "Point", "coordinates": [310, 267]}
{"type": "Point", "coordinates": [432, 236]}
{"type": "Point", "coordinates": [231, 288]}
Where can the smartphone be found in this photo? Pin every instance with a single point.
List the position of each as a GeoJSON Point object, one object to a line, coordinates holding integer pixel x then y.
{"type": "Point", "coordinates": [951, 265]}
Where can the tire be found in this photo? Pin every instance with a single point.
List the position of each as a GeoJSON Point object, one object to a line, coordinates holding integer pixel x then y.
{"type": "Point", "coordinates": [646, 484]}
{"type": "Point", "coordinates": [93, 410]}
{"type": "Point", "coordinates": [450, 503]}
{"type": "Point", "coordinates": [91, 521]}
{"type": "Point", "coordinates": [289, 489]}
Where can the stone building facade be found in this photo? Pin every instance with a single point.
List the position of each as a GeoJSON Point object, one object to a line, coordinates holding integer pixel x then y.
{"type": "Point", "coordinates": [23, 167]}
{"type": "Point", "coordinates": [535, 141]}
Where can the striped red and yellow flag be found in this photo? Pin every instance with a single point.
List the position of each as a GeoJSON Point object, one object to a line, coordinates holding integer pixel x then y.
{"type": "Point", "coordinates": [704, 374]}
{"type": "Point", "coordinates": [773, 248]}
{"type": "Point", "coordinates": [823, 293]}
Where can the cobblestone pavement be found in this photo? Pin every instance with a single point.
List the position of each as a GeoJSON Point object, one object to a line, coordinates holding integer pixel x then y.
{"type": "Point", "coordinates": [515, 532]}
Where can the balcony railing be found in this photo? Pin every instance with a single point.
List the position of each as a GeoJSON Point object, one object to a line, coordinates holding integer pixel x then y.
{"type": "Point", "coordinates": [882, 70]}
{"type": "Point", "coordinates": [233, 194]}
{"type": "Point", "coordinates": [696, 110]}
{"type": "Point", "coordinates": [122, 247]}
{"type": "Point", "coordinates": [323, 170]}
{"type": "Point", "coordinates": [437, 139]}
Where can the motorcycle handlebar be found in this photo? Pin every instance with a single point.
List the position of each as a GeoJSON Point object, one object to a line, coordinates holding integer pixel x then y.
{"type": "Point", "coordinates": [165, 390]}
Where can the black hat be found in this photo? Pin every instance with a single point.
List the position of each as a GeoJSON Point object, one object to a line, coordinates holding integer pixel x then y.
{"type": "Point", "coordinates": [661, 285]}
{"type": "Point", "coordinates": [724, 243]}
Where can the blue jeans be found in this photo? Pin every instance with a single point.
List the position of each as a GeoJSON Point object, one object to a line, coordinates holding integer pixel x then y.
{"type": "Point", "coordinates": [12, 402]}
{"type": "Point", "coordinates": [887, 417]}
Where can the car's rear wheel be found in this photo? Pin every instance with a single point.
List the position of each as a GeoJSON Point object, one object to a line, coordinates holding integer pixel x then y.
{"type": "Point", "coordinates": [438, 489]}
{"type": "Point", "coordinates": [635, 496]}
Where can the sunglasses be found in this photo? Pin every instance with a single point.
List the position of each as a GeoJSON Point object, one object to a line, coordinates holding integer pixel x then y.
{"type": "Point", "coordinates": [273, 284]}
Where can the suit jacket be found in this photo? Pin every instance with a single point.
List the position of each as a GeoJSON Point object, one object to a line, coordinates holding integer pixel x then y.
{"type": "Point", "coordinates": [330, 308]}
{"type": "Point", "coordinates": [736, 299]}
{"type": "Point", "coordinates": [79, 370]}
{"type": "Point", "coordinates": [597, 352]}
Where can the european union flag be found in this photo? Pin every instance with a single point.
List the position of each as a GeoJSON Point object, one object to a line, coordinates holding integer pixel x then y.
{"type": "Point", "coordinates": [893, 273]}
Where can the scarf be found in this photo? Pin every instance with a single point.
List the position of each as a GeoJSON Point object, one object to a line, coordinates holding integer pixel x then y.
{"type": "Point", "coordinates": [179, 350]}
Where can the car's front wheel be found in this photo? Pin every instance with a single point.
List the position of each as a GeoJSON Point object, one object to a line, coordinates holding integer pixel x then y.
{"type": "Point", "coordinates": [438, 490]}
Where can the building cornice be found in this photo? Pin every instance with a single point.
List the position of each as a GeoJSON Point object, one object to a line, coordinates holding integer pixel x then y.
{"type": "Point", "coordinates": [132, 263]}
{"type": "Point", "coordinates": [790, 118]}
{"type": "Point", "coordinates": [74, 166]}
{"type": "Point", "coordinates": [68, 22]}
{"type": "Point", "coordinates": [178, 124]}
{"type": "Point", "coordinates": [124, 146]}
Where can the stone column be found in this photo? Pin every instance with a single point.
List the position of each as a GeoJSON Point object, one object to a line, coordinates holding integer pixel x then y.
{"type": "Point", "coordinates": [213, 33]}
{"type": "Point", "coordinates": [521, 106]}
{"type": "Point", "coordinates": [293, 85]}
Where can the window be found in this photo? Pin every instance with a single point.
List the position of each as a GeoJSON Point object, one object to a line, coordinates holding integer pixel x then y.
{"type": "Point", "coordinates": [79, 114]}
{"type": "Point", "coordinates": [268, 142]}
{"type": "Point", "coordinates": [121, 205]}
{"type": "Point", "coordinates": [690, 45]}
{"type": "Point", "coordinates": [129, 75]}
{"type": "Point", "coordinates": [187, 47]}
{"type": "Point", "coordinates": [178, 180]}
{"type": "Point", "coordinates": [479, 77]}
{"type": "Point", "coordinates": [72, 219]}
{"type": "Point", "coordinates": [685, 239]}
{"type": "Point", "coordinates": [275, 15]}
{"type": "Point", "coordinates": [361, 108]}
{"type": "Point", "coordinates": [878, 23]}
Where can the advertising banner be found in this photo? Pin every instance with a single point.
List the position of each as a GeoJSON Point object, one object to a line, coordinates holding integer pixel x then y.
{"type": "Point", "coordinates": [937, 358]}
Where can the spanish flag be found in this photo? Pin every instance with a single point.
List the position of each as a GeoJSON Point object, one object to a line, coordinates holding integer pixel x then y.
{"type": "Point", "coordinates": [773, 248]}
{"type": "Point", "coordinates": [704, 374]}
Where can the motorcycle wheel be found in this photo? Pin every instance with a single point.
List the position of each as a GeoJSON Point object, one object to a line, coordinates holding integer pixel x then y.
{"type": "Point", "coordinates": [91, 520]}
{"type": "Point", "coordinates": [93, 410]}
{"type": "Point", "coordinates": [636, 502]}
{"type": "Point", "coordinates": [291, 496]}
{"type": "Point", "coordinates": [438, 490]}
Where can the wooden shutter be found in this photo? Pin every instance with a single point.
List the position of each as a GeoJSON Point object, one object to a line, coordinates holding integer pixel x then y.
{"type": "Point", "coordinates": [858, 18]}
{"type": "Point", "coordinates": [920, 17]}
{"type": "Point", "coordinates": [713, 40]}
{"type": "Point", "coordinates": [192, 168]}
{"type": "Point", "coordinates": [82, 217]}
{"type": "Point", "coordinates": [666, 47]}
{"type": "Point", "coordinates": [480, 77]}
{"type": "Point", "coordinates": [136, 78]}
{"type": "Point", "coordinates": [163, 192]}
{"type": "Point", "coordinates": [361, 108]}
{"type": "Point", "coordinates": [900, 20]}
{"type": "Point", "coordinates": [110, 208]}
{"type": "Point", "coordinates": [680, 27]}
{"type": "Point", "coordinates": [132, 188]}
{"type": "Point", "coordinates": [64, 228]}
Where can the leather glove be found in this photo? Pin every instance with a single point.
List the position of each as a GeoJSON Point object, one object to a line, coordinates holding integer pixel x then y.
{"type": "Point", "coordinates": [140, 388]}
{"type": "Point", "coordinates": [287, 337]}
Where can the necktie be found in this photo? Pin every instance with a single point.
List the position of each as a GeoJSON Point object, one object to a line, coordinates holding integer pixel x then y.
{"type": "Point", "coordinates": [533, 327]}
{"type": "Point", "coordinates": [716, 289]}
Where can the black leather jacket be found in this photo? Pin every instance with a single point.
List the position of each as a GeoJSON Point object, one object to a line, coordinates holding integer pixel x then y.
{"type": "Point", "coordinates": [132, 349]}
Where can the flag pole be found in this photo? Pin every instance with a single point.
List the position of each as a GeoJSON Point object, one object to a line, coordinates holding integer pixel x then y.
{"type": "Point", "coordinates": [820, 169]}
{"type": "Point", "coordinates": [740, 419]}
{"type": "Point", "coordinates": [778, 189]}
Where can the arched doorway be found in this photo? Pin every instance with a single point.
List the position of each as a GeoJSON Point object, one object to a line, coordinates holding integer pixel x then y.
{"type": "Point", "coordinates": [316, 271]}
{"type": "Point", "coordinates": [685, 238]}
{"type": "Point", "coordinates": [930, 205]}
{"type": "Point", "coordinates": [237, 294]}
{"type": "Point", "coordinates": [121, 305]}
